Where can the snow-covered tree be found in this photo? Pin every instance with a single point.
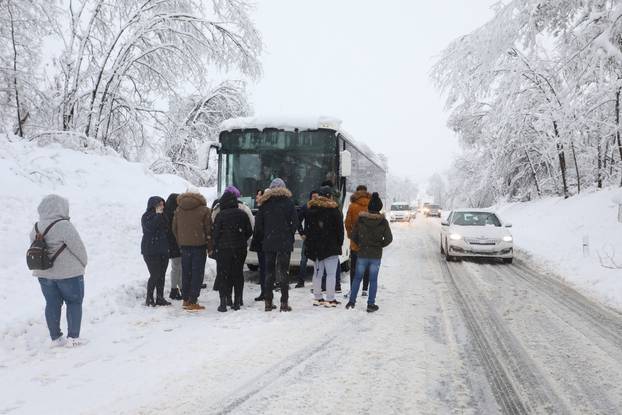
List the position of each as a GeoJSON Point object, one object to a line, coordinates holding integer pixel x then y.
{"type": "Point", "coordinates": [535, 98]}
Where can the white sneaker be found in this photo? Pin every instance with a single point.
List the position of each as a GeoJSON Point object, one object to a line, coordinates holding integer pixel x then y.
{"type": "Point", "coordinates": [364, 293]}
{"type": "Point", "coordinates": [60, 342]}
{"type": "Point", "coordinates": [75, 342]}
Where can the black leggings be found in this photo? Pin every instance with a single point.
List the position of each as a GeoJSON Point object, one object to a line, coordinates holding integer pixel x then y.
{"type": "Point", "coordinates": [157, 265]}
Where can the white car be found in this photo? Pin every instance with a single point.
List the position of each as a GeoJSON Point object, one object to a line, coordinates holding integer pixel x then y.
{"type": "Point", "coordinates": [476, 233]}
{"type": "Point", "coordinates": [400, 211]}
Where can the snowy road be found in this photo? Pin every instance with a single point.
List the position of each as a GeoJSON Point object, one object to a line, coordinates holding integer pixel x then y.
{"type": "Point", "coordinates": [463, 338]}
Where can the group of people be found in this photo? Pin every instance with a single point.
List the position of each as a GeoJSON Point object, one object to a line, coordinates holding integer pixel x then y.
{"type": "Point", "coordinates": [183, 231]}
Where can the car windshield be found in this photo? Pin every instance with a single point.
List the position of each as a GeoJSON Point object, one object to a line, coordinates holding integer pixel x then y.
{"type": "Point", "coordinates": [435, 207]}
{"type": "Point", "coordinates": [400, 207]}
{"type": "Point", "coordinates": [475, 219]}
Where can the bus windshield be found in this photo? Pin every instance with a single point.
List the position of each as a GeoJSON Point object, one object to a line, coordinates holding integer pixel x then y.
{"type": "Point", "coordinates": [251, 159]}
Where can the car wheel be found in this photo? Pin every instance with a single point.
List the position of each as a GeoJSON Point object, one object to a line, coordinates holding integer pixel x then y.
{"type": "Point", "coordinates": [448, 257]}
{"type": "Point", "coordinates": [507, 260]}
{"type": "Point", "coordinates": [252, 267]}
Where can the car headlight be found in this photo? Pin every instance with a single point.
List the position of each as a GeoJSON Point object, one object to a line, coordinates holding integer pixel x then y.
{"type": "Point", "coordinates": [455, 236]}
{"type": "Point", "coordinates": [507, 238]}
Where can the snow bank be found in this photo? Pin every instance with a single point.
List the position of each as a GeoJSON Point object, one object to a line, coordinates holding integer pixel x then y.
{"type": "Point", "coordinates": [107, 197]}
{"type": "Point", "coordinates": [554, 231]}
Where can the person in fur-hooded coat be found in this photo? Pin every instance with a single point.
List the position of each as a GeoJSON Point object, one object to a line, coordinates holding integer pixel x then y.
{"type": "Point", "coordinates": [324, 233]}
{"type": "Point", "coordinates": [275, 225]}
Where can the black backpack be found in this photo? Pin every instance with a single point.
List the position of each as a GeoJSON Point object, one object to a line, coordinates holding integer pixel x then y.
{"type": "Point", "coordinates": [38, 256]}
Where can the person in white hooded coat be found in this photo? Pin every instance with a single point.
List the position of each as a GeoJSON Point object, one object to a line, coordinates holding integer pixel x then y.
{"type": "Point", "coordinates": [64, 281]}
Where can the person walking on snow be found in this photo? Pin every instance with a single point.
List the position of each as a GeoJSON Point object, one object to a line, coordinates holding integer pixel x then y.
{"type": "Point", "coordinates": [154, 248]}
{"type": "Point", "coordinates": [232, 228]}
{"type": "Point", "coordinates": [275, 224]}
{"type": "Point", "coordinates": [174, 253]}
{"type": "Point", "coordinates": [358, 204]}
{"type": "Point", "coordinates": [324, 237]}
{"type": "Point", "coordinates": [64, 281]}
{"type": "Point", "coordinates": [302, 214]}
{"type": "Point", "coordinates": [192, 227]}
{"type": "Point", "coordinates": [371, 233]}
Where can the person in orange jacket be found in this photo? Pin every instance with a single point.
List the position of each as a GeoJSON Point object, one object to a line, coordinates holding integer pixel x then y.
{"type": "Point", "coordinates": [358, 204]}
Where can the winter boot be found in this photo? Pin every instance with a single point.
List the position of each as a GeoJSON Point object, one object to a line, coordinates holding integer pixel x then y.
{"type": "Point", "coordinates": [150, 302]}
{"type": "Point", "coordinates": [372, 308]}
{"type": "Point", "coordinates": [161, 301]}
{"type": "Point", "coordinates": [269, 305]}
{"type": "Point", "coordinates": [223, 304]}
{"type": "Point", "coordinates": [175, 294]}
{"type": "Point", "coordinates": [236, 304]}
{"type": "Point", "coordinates": [285, 306]}
{"type": "Point", "coordinates": [260, 298]}
{"type": "Point", "coordinates": [332, 304]}
{"type": "Point", "coordinates": [320, 302]}
{"type": "Point", "coordinates": [185, 304]}
{"type": "Point", "coordinates": [364, 293]}
{"type": "Point", "coordinates": [195, 307]}
{"type": "Point", "coordinates": [349, 306]}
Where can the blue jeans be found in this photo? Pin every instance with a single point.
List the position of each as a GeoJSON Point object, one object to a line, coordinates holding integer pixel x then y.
{"type": "Point", "coordinates": [192, 271]}
{"type": "Point", "coordinates": [373, 267]}
{"type": "Point", "coordinates": [71, 292]}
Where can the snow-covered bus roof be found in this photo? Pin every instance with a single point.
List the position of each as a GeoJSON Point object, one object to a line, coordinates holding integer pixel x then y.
{"type": "Point", "coordinates": [300, 123]}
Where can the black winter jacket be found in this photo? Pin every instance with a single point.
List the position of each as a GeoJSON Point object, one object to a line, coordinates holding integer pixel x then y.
{"type": "Point", "coordinates": [276, 222]}
{"type": "Point", "coordinates": [169, 212]}
{"type": "Point", "coordinates": [323, 230]}
{"type": "Point", "coordinates": [154, 241]}
{"type": "Point", "coordinates": [372, 233]}
{"type": "Point", "coordinates": [232, 228]}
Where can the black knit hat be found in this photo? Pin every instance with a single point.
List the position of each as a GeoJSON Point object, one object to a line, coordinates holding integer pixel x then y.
{"type": "Point", "coordinates": [325, 191]}
{"type": "Point", "coordinates": [375, 204]}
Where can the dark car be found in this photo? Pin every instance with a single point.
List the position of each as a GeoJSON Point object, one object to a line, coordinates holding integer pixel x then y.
{"type": "Point", "coordinates": [434, 210]}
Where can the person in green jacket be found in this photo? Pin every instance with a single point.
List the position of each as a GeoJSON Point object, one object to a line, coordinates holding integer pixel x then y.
{"type": "Point", "coordinates": [371, 233]}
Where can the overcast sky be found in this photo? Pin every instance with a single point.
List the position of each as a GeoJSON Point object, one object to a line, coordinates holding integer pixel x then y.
{"type": "Point", "coordinates": [366, 62]}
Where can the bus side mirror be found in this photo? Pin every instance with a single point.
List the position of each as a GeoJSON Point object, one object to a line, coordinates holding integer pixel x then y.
{"type": "Point", "coordinates": [213, 146]}
{"type": "Point", "coordinates": [345, 163]}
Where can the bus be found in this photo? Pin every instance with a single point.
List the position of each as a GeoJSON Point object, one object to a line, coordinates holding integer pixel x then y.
{"type": "Point", "coordinates": [252, 151]}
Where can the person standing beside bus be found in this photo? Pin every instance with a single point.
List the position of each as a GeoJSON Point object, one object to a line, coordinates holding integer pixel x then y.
{"type": "Point", "coordinates": [192, 227]}
{"type": "Point", "coordinates": [302, 215]}
{"type": "Point", "coordinates": [324, 238]}
{"type": "Point", "coordinates": [256, 247]}
{"type": "Point", "coordinates": [335, 195]}
{"type": "Point", "coordinates": [275, 224]}
{"type": "Point", "coordinates": [372, 234]}
{"type": "Point", "coordinates": [232, 228]}
{"type": "Point", "coordinates": [358, 204]}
